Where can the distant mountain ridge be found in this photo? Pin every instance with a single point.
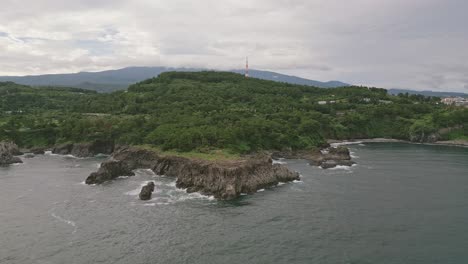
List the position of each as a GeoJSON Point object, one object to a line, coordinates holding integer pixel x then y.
{"type": "Point", "coordinates": [111, 80]}
{"type": "Point", "coordinates": [273, 76]}
{"type": "Point", "coordinates": [104, 81]}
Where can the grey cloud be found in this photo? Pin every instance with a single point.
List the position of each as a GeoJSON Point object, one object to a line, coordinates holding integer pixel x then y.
{"type": "Point", "coordinates": [435, 81]}
{"type": "Point", "coordinates": [388, 43]}
{"type": "Point", "coordinates": [464, 82]}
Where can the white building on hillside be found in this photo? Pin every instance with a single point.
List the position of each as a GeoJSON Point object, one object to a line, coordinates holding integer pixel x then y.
{"type": "Point", "coordinates": [458, 101]}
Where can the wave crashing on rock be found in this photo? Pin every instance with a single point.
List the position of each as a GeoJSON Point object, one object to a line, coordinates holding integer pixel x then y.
{"type": "Point", "coordinates": [223, 179]}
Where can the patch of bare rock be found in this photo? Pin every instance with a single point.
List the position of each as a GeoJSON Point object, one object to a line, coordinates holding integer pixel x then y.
{"type": "Point", "coordinates": [8, 153]}
{"type": "Point", "coordinates": [147, 191]}
{"type": "Point", "coordinates": [82, 150]}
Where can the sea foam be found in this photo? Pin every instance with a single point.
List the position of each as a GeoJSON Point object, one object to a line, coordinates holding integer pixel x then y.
{"type": "Point", "coordinates": [66, 221]}
{"type": "Point", "coordinates": [167, 193]}
{"type": "Point", "coordinates": [279, 161]}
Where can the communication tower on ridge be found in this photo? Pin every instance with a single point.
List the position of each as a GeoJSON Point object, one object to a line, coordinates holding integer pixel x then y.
{"type": "Point", "coordinates": [246, 67]}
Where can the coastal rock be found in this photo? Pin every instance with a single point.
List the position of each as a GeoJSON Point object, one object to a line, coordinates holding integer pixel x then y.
{"type": "Point", "coordinates": [328, 164]}
{"type": "Point", "coordinates": [63, 149]}
{"type": "Point", "coordinates": [314, 155]}
{"type": "Point", "coordinates": [81, 150]}
{"type": "Point", "coordinates": [315, 158]}
{"type": "Point", "coordinates": [92, 149]}
{"type": "Point", "coordinates": [85, 149]}
{"type": "Point", "coordinates": [146, 191]}
{"type": "Point", "coordinates": [37, 151]}
{"type": "Point", "coordinates": [338, 153]}
{"type": "Point", "coordinates": [29, 155]}
{"type": "Point", "coordinates": [425, 138]}
{"type": "Point", "coordinates": [433, 137]}
{"type": "Point", "coordinates": [226, 180]}
{"type": "Point", "coordinates": [7, 152]}
{"type": "Point", "coordinates": [11, 147]}
{"type": "Point", "coordinates": [15, 160]}
{"type": "Point", "coordinates": [222, 179]}
{"type": "Point", "coordinates": [109, 170]}
{"type": "Point", "coordinates": [329, 157]}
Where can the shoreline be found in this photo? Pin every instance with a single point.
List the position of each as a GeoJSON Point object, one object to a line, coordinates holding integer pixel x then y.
{"type": "Point", "coordinates": [225, 180]}
{"type": "Point", "coordinates": [449, 143]}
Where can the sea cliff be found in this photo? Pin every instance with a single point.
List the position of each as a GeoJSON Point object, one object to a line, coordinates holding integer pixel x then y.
{"type": "Point", "coordinates": [223, 179]}
{"type": "Point", "coordinates": [82, 150]}
{"type": "Point", "coordinates": [8, 153]}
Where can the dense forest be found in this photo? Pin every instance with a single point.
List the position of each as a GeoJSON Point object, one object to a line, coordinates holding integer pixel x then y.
{"type": "Point", "coordinates": [198, 111]}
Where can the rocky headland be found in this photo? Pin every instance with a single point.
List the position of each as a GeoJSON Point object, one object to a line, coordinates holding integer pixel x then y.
{"type": "Point", "coordinates": [223, 179]}
{"type": "Point", "coordinates": [326, 158]}
{"type": "Point", "coordinates": [455, 143]}
{"type": "Point", "coordinates": [8, 153]}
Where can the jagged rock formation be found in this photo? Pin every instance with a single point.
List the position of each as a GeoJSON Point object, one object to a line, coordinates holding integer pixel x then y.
{"type": "Point", "coordinates": [109, 170]}
{"type": "Point", "coordinates": [326, 158]}
{"type": "Point", "coordinates": [85, 149]}
{"type": "Point", "coordinates": [425, 138]}
{"type": "Point", "coordinates": [8, 150]}
{"type": "Point", "coordinates": [63, 149]}
{"type": "Point", "coordinates": [29, 155]}
{"type": "Point", "coordinates": [37, 151]}
{"type": "Point", "coordinates": [333, 157]}
{"type": "Point", "coordinates": [328, 164]}
{"type": "Point", "coordinates": [147, 191]}
{"type": "Point", "coordinates": [338, 153]}
{"type": "Point", "coordinates": [222, 179]}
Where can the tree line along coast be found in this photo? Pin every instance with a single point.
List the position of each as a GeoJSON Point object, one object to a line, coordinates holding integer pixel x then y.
{"type": "Point", "coordinates": [201, 111]}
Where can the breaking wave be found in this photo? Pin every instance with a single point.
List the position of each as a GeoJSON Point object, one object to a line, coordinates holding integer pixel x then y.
{"type": "Point", "coordinates": [166, 192]}
{"type": "Point", "coordinates": [66, 221]}
{"type": "Point", "coordinates": [279, 161]}
{"type": "Point", "coordinates": [344, 143]}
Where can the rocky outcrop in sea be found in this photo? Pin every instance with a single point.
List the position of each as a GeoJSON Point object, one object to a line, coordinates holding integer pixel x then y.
{"type": "Point", "coordinates": [147, 191]}
{"type": "Point", "coordinates": [37, 151]}
{"type": "Point", "coordinates": [222, 179]}
{"type": "Point", "coordinates": [326, 158]}
{"type": "Point", "coordinates": [8, 151]}
{"type": "Point", "coordinates": [332, 157]}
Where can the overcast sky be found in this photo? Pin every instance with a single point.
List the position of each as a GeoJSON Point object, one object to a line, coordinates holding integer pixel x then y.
{"type": "Point", "coordinates": [417, 44]}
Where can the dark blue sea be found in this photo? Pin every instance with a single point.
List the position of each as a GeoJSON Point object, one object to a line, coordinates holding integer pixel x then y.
{"type": "Point", "coordinates": [401, 203]}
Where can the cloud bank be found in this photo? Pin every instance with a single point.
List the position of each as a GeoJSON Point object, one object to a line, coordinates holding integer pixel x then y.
{"type": "Point", "coordinates": [418, 44]}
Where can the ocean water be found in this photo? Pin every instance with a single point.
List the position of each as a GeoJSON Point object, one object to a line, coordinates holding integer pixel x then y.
{"type": "Point", "coordinates": [402, 203]}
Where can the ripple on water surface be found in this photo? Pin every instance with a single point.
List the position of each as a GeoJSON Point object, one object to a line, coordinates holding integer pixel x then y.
{"type": "Point", "coordinates": [401, 204]}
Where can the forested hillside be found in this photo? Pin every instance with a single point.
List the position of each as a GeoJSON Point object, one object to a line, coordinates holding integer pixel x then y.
{"type": "Point", "coordinates": [189, 111]}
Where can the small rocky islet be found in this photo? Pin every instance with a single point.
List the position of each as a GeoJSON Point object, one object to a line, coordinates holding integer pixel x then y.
{"type": "Point", "coordinates": [223, 179]}
{"type": "Point", "coordinates": [146, 191]}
